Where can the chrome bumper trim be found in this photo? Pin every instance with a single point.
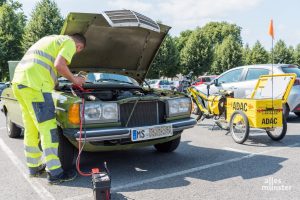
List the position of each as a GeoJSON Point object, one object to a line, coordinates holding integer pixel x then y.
{"type": "Point", "coordinates": [124, 133]}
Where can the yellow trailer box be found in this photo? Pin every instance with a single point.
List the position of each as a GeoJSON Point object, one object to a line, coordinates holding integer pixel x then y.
{"type": "Point", "coordinates": [264, 108]}
{"type": "Point", "coordinates": [259, 111]}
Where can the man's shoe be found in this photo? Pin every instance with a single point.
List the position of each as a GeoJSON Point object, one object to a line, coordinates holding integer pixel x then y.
{"type": "Point", "coordinates": [38, 172]}
{"type": "Point", "coordinates": [63, 177]}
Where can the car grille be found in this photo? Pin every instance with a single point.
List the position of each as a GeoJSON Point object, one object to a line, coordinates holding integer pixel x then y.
{"type": "Point", "coordinates": [146, 113]}
{"type": "Point", "coordinates": [121, 18]}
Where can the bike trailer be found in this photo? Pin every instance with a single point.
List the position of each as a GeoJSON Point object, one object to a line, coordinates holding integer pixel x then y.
{"type": "Point", "coordinates": [261, 109]}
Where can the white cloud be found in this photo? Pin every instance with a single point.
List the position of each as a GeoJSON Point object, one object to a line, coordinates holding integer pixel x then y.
{"type": "Point", "coordinates": [135, 5]}
{"type": "Point", "coordinates": [190, 13]}
{"type": "Point", "coordinates": [180, 14]}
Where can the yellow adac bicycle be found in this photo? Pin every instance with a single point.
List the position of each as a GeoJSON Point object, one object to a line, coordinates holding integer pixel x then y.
{"type": "Point", "coordinates": [206, 106]}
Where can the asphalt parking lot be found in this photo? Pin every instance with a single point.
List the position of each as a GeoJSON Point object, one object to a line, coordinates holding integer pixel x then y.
{"type": "Point", "coordinates": [207, 165]}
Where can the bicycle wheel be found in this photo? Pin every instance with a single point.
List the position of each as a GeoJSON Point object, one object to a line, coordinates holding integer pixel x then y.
{"type": "Point", "coordinates": [239, 126]}
{"type": "Point", "coordinates": [196, 111]}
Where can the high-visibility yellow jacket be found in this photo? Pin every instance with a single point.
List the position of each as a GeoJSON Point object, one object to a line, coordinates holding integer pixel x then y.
{"type": "Point", "coordinates": [36, 69]}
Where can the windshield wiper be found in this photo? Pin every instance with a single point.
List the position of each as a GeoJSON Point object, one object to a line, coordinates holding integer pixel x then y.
{"type": "Point", "coordinates": [119, 81]}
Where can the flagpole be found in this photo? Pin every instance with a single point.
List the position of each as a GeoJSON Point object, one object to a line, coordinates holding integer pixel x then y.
{"type": "Point", "coordinates": [271, 33]}
{"type": "Point", "coordinates": [272, 50]}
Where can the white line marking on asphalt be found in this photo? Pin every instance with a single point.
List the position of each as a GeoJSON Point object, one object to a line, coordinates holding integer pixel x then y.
{"type": "Point", "coordinates": [183, 172]}
{"type": "Point", "coordinates": [2, 128]}
{"type": "Point", "coordinates": [34, 183]}
{"type": "Point", "coordinates": [259, 134]}
{"type": "Point", "coordinates": [236, 150]}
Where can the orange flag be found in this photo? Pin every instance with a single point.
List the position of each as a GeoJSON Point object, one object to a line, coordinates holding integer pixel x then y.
{"type": "Point", "coordinates": [271, 29]}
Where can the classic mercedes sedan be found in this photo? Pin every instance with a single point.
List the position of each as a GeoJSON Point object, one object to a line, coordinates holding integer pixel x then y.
{"type": "Point", "coordinates": [113, 109]}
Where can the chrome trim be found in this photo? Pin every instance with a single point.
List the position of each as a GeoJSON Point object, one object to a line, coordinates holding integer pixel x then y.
{"type": "Point", "coordinates": [102, 138]}
{"type": "Point", "coordinates": [177, 114]}
{"type": "Point", "coordinates": [127, 134]}
{"type": "Point", "coordinates": [157, 113]}
{"type": "Point", "coordinates": [183, 128]}
{"type": "Point", "coordinates": [61, 109]}
{"type": "Point", "coordinates": [106, 130]}
{"type": "Point", "coordinates": [129, 14]}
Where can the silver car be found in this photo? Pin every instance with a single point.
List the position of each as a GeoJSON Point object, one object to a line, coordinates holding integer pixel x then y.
{"type": "Point", "coordinates": [242, 81]}
{"type": "Point", "coordinates": [160, 84]}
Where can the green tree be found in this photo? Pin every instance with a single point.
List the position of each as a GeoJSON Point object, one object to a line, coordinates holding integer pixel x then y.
{"type": "Point", "coordinates": [197, 55]}
{"type": "Point", "coordinates": [228, 54]}
{"type": "Point", "coordinates": [2, 2]}
{"type": "Point", "coordinates": [45, 20]}
{"type": "Point", "coordinates": [182, 39]}
{"type": "Point", "coordinates": [281, 53]}
{"type": "Point", "coordinates": [180, 43]}
{"type": "Point", "coordinates": [166, 62]}
{"type": "Point", "coordinates": [297, 55]}
{"type": "Point", "coordinates": [291, 50]}
{"type": "Point", "coordinates": [246, 55]}
{"type": "Point", "coordinates": [12, 22]}
{"type": "Point", "coordinates": [258, 54]}
{"type": "Point", "coordinates": [218, 31]}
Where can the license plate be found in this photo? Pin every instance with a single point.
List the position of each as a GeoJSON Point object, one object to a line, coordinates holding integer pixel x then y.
{"type": "Point", "coordinates": [153, 132]}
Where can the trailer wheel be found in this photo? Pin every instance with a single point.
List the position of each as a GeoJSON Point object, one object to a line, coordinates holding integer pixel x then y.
{"type": "Point", "coordinates": [239, 126]}
{"type": "Point", "coordinates": [279, 132]}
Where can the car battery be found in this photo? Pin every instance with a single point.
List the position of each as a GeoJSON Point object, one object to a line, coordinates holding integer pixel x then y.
{"type": "Point", "coordinates": [101, 184]}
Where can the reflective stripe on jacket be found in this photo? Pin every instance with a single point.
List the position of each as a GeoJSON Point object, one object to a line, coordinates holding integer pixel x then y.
{"type": "Point", "coordinates": [36, 69]}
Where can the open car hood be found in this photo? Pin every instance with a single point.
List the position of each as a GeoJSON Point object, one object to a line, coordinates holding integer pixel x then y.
{"type": "Point", "coordinates": [123, 42]}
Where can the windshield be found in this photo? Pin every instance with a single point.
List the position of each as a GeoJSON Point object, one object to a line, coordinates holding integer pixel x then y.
{"type": "Point", "coordinates": [153, 82]}
{"type": "Point", "coordinates": [2, 85]}
{"type": "Point", "coordinates": [101, 77]}
{"type": "Point", "coordinates": [295, 70]}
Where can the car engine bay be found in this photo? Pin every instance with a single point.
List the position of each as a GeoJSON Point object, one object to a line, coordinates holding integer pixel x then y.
{"type": "Point", "coordinates": [106, 91]}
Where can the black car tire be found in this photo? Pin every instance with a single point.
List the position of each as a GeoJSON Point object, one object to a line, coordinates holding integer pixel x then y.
{"type": "Point", "coordinates": [297, 113]}
{"type": "Point", "coordinates": [66, 151]}
{"type": "Point", "coordinates": [13, 131]}
{"type": "Point", "coordinates": [169, 146]}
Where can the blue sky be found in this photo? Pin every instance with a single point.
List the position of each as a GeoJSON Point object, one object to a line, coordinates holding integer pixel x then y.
{"type": "Point", "coordinates": [253, 16]}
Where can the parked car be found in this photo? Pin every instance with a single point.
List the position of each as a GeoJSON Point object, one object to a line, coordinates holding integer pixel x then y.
{"type": "Point", "coordinates": [2, 87]}
{"type": "Point", "coordinates": [204, 79]}
{"type": "Point", "coordinates": [119, 113]}
{"type": "Point", "coordinates": [160, 84]}
{"type": "Point", "coordinates": [175, 85]}
{"type": "Point", "coordinates": [242, 81]}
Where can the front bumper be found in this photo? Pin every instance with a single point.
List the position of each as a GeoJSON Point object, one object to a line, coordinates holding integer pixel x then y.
{"type": "Point", "coordinates": [104, 134]}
